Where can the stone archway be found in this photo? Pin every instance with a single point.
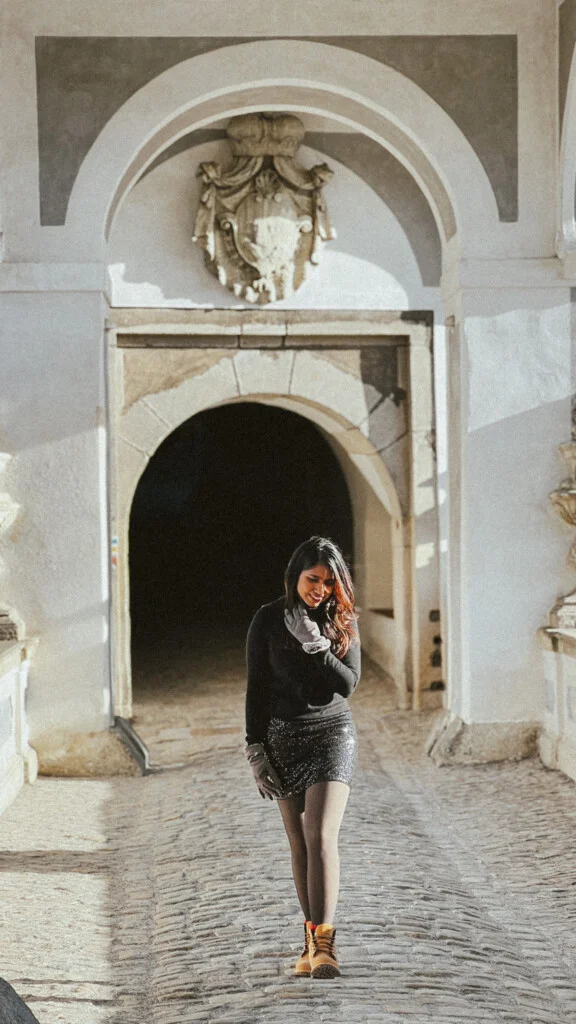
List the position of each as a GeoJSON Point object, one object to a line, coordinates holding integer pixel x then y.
{"type": "Point", "coordinates": [218, 510]}
{"type": "Point", "coordinates": [360, 93]}
{"type": "Point", "coordinates": [336, 388]}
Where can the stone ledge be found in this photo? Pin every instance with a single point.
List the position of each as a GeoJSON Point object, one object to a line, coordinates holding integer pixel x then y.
{"type": "Point", "coordinates": [453, 741]}
{"type": "Point", "coordinates": [89, 755]}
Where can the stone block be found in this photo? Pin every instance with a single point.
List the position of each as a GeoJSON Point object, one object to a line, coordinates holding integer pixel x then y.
{"type": "Point", "coordinates": [261, 340]}
{"type": "Point", "coordinates": [130, 465]}
{"type": "Point", "coordinates": [453, 741]}
{"type": "Point", "coordinates": [152, 371]}
{"type": "Point", "coordinates": [142, 428]}
{"type": "Point", "coordinates": [386, 423]}
{"type": "Point", "coordinates": [320, 380]}
{"type": "Point", "coordinates": [566, 756]}
{"type": "Point", "coordinates": [263, 372]}
{"type": "Point", "coordinates": [396, 458]}
{"type": "Point", "coordinates": [198, 390]}
{"type": "Point", "coordinates": [548, 748]}
{"type": "Point", "coordinates": [354, 441]}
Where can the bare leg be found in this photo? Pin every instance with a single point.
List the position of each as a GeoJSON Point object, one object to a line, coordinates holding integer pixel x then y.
{"type": "Point", "coordinates": [324, 809]}
{"type": "Point", "coordinates": [292, 811]}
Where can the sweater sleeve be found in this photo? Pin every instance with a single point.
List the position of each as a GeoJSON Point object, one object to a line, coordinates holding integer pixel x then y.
{"type": "Point", "coordinates": [258, 684]}
{"type": "Point", "coordinates": [340, 675]}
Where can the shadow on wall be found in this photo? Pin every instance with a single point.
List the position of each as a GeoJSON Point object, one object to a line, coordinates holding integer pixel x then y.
{"type": "Point", "coordinates": [153, 261]}
{"type": "Point", "coordinates": [216, 515]}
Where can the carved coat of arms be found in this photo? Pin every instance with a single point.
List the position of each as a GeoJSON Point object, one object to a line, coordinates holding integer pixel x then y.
{"type": "Point", "coordinates": [262, 221]}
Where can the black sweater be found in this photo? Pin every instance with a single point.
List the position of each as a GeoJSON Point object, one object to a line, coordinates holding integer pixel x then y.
{"type": "Point", "coordinates": [285, 682]}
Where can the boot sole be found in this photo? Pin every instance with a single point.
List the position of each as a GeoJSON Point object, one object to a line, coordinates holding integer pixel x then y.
{"type": "Point", "coordinates": [325, 971]}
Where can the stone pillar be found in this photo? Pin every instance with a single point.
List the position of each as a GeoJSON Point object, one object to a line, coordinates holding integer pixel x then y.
{"type": "Point", "coordinates": [508, 408]}
{"type": "Point", "coordinates": [57, 561]}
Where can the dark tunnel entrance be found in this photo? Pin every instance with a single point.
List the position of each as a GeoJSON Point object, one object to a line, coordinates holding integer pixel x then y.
{"type": "Point", "coordinates": [216, 515]}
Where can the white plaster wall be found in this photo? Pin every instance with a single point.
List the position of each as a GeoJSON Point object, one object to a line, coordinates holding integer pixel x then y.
{"type": "Point", "coordinates": [153, 261]}
{"type": "Point", "coordinates": [517, 410]}
{"type": "Point", "coordinates": [516, 346]}
{"type": "Point", "coordinates": [56, 554]}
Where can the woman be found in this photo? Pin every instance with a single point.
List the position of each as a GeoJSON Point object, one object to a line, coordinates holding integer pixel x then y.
{"type": "Point", "coordinates": [303, 655]}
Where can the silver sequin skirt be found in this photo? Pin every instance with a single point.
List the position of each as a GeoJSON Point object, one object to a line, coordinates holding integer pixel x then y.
{"type": "Point", "coordinates": [314, 750]}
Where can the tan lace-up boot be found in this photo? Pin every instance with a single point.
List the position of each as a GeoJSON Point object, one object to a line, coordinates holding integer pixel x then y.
{"type": "Point", "coordinates": [323, 960]}
{"type": "Point", "coordinates": [302, 965]}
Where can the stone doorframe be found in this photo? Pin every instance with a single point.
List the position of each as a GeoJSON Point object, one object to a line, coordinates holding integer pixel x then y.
{"type": "Point", "coordinates": [166, 365]}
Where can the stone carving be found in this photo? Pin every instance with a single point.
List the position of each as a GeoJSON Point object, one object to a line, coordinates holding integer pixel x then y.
{"type": "Point", "coordinates": [563, 501]}
{"type": "Point", "coordinates": [263, 221]}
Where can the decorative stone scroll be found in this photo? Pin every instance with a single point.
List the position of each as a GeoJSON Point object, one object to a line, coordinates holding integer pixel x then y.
{"type": "Point", "coordinates": [262, 221]}
{"type": "Point", "coordinates": [563, 501]}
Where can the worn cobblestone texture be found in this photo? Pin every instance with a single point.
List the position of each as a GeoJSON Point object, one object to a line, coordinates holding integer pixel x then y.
{"type": "Point", "coordinates": [168, 899]}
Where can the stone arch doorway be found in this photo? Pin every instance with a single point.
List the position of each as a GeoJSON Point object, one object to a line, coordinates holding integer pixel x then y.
{"type": "Point", "coordinates": [216, 514]}
{"type": "Point", "coordinates": [157, 390]}
{"type": "Point", "coordinates": [222, 503]}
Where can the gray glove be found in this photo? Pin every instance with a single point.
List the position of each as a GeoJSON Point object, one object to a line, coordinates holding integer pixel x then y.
{"type": "Point", "coordinates": [305, 630]}
{"type": "Point", "coordinates": [266, 778]}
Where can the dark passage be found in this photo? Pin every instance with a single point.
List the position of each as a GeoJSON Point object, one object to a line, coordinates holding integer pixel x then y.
{"type": "Point", "coordinates": [216, 515]}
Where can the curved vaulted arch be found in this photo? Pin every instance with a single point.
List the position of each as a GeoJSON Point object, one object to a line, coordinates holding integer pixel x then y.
{"type": "Point", "coordinates": [355, 91]}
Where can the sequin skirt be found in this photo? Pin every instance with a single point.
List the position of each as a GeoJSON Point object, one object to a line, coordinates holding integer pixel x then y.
{"type": "Point", "coordinates": [314, 750]}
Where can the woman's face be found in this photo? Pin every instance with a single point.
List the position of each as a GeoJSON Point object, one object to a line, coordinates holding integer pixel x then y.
{"type": "Point", "coordinates": [315, 585]}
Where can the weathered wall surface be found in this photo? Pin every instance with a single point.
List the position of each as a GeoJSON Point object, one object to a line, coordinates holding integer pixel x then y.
{"type": "Point", "coordinates": [56, 558]}
{"type": "Point", "coordinates": [370, 265]}
{"type": "Point", "coordinates": [454, 70]}
{"type": "Point", "coordinates": [518, 404]}
{"type": "Point", "coordinates": [464, 98]}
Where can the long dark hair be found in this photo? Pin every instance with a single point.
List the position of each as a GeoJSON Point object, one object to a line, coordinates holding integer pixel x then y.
{"type": "Point", "coordinates": [338, 615]}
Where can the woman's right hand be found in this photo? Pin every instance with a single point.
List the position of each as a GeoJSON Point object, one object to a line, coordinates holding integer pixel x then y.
{"type": "Point", "coordinates": [305, 630]}
{"type": "Point", "coordinates": [264, 774]}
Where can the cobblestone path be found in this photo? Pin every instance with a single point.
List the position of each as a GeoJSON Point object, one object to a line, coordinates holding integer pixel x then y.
{"type": "Point", "coordinates": [168, 899]}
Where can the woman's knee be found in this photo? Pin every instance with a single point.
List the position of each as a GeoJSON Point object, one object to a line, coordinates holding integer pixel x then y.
{"type": "Point", "coordinates": [320, 838]}
{"type": "Point", "coordinates": [297, 841]}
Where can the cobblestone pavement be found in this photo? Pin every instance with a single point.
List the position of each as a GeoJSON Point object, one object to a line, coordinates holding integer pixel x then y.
{"type": "Point", "coordinates": [168, 899]}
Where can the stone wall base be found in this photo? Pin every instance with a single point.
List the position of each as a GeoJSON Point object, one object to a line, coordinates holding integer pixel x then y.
{"type": "Point", "coordinates": [558, 752]}
{"type": "Point", "coordinates": [83, 755]}
{"type": "Point", "coordinates": [12, 782]}
{"type": "Point", "coordinates": [453, 741]}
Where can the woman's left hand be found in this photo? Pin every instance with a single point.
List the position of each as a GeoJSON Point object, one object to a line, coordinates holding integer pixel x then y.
{"type": "Point", "coordinates": [305, 630]}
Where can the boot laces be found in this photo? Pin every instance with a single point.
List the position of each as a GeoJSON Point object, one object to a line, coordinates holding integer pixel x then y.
{"type": "Point", "coordinates": [325, 943]}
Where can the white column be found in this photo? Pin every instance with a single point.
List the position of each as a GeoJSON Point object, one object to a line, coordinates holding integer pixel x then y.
{"type": "Point", "coordinates": [508, 355]}
{"type": "Point", "coordinates": [57, 565]}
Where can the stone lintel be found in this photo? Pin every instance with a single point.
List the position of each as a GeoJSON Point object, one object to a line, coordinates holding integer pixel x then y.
{"type": "Point", "coordinates": [258, 340]}
{"type": "Point", "coordinates": [297, 326]}
{"type": "Point", "coordinates": [344, 340]}
{"type": "Point", "coordinates": [178, 340]}
{"type": "Point", "coordinates": [261, 340]}
{"type": "Point", "coordinates": [454, 741]}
